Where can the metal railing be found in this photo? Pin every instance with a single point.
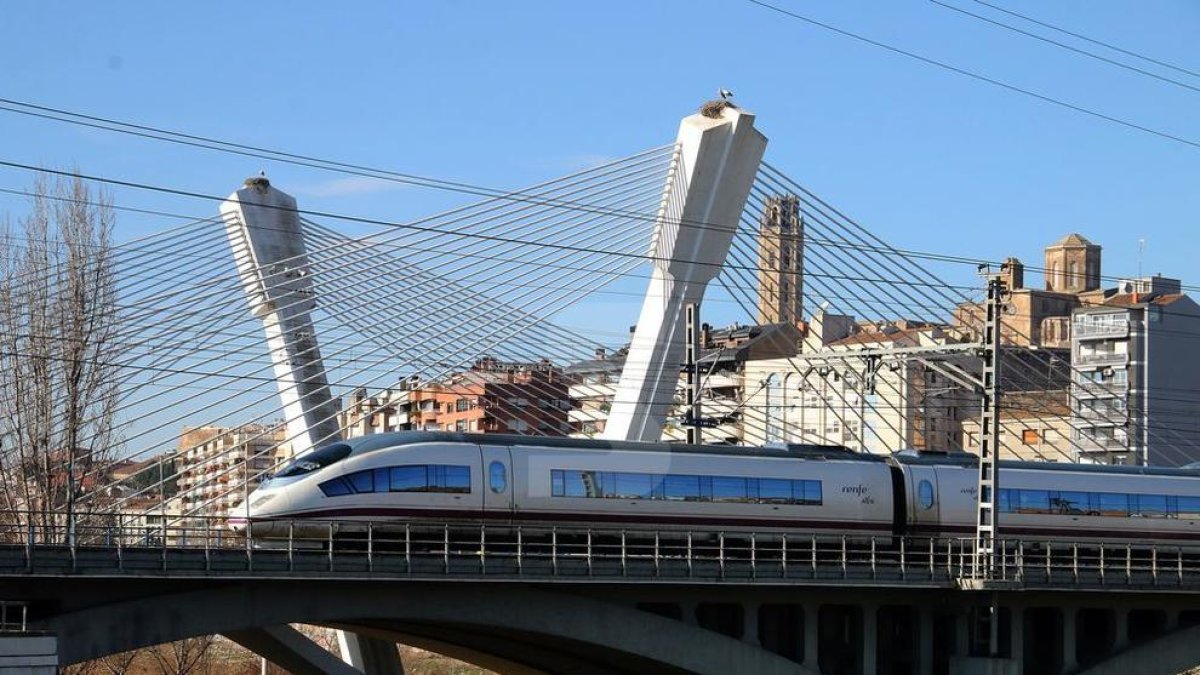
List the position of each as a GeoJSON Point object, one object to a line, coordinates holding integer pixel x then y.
{"type": "Point", "coordinates": [1102, 359]}
{"type": "Point", "coordinates": [331, 549]}
{"type": "Point", "coordinates": [1087, 329]}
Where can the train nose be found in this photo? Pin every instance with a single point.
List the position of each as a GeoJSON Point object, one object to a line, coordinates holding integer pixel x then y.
{"type": "Point", "coordinates": [257, 512]}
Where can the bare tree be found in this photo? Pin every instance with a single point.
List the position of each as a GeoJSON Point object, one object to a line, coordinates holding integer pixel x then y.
{"type": "Point", "coordinates": [58, 324]}
{"type": "Point", "coordinates": [184, 657]}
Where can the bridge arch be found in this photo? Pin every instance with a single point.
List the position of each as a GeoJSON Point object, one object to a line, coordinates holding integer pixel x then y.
{"type": "Point", "coordinates": [514, 629]}
{"type": "Point", "coordinates": [1172, 653]}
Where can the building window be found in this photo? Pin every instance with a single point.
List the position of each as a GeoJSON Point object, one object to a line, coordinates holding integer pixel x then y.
{"type": "Point", "coordinates": [1030, 437]}
{"type": "Point", "coordinates": [461, 426]}
{"type": "Point", "coordinates": [462, 405]}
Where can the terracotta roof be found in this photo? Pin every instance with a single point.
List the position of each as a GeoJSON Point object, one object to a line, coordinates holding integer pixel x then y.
{"type": "Point", "coordinates": [1137, 299]}
{"type": "Point", "coordinates": [1073, 239]}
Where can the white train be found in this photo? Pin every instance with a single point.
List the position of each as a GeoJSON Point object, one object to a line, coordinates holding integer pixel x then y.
{"type": "Point", "coordinates": [455, 477]}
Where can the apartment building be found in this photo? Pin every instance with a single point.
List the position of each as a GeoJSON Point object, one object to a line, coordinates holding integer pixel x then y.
{"type": "Point", "coordinates": [219, 466]}
{"type": "Point", "coordinates": [492, 396]}
{"type": "Point", "coordinates": [1137, 381]}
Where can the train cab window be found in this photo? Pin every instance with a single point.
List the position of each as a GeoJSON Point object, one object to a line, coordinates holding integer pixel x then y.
{"type": "Point", "coordinates": [335, 488]}
{"type": "Point", "coordinates": [317, 459]}
{"type": "Point", "coordinates": [925, 494]}
{"type": "Point", "coordinates": [497, 477]}
{"type": "Point", "coordinates": [362, 481]}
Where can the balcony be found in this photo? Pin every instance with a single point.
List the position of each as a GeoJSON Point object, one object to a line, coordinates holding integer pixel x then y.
{"type": "Point", "coordinates": [1100, 359]}
{"type": "Point", "coordinates": [1101, 414]}
{"type": "Point", "coordinates": [1087, 330]}
{"type": "Point", "coordinates": [1089, 389]}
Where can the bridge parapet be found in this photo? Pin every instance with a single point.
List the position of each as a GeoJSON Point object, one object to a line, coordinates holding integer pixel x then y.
{"type": "Point", "coordinates": [440, 550]}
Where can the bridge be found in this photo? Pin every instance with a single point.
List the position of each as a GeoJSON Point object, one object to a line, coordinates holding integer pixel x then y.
{"type": "Point", "coordinates": [481, 285]}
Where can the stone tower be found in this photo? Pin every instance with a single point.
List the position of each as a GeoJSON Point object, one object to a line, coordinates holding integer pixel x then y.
{"type": "Point", "coordinates": [1072, 265]}
{"type": "Point", "coordinates": [781, 261]}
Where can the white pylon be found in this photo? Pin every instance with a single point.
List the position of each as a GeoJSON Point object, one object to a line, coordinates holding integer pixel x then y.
{"type": "Point", "coordinates": [719, 152]}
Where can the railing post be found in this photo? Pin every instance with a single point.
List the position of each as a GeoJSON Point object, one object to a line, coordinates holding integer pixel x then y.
{"type": "Point", "coordinates": [656, 552]}
{"type": "Point", "coordinates": [903, 574]}
{"type": "Point", "coordinates": [845, 562]}
{"type": "Point", "coordinates": [408, 548]}
{"type": "Point", "coordinates": [1101, 564]}
{"type": "Point", "coordinates": [690, 556]}
{"type": "Point", "coordinates": [721, 554]}
{"type": "Point", "coordinates": [291, 544]}
{"type": "Point", "coordinates": [330, 543]}
{"type": "Point", "coordinates": [371, 546]}
{"type": "Point", "coordinates": [813, 555]}
{"type": "Point", "coordinates": [482, 549]}
{"type": "Point", "coordinates": [624, 572]}
{"type": "Point", "coordinates": [207, 553]}
{"type": "Point", "coordinates": [120, 546]}
{"type": "Point", "coordinates": [1049, 567]}
{"type": "Point", "coordinates": [783, 556]}
{"type": "Point", "coordinates": [1075, 562]}
{"type": "Point", "coordinates": [589, 551]}
{"type": "Point", "coordinates": [446, 548]}
{"type": "Point", "coordinates": [1128, 563]}
{"type": "Point", "coordinates": [873, 570]}
{"type": "Point", "coordinates": [1154, 564]}
{"type": "Point", "coordinates": [753, 556]}
{"type": "Point", "coordinates": [1179, 553]}
{"type": "Point", "coordinates": [520, 552]}
{"type": "Point", "coordinates": [554, 551]}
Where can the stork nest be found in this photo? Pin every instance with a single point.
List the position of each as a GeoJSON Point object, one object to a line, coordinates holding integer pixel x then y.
{"type": "Point", "coordinates": [259, 183]}
{"type": "Point", "coordinates": [714, 109]}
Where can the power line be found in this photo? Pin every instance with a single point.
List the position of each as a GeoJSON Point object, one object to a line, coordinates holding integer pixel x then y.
{"type": "Point", "coordinates": [520, 196]}
{"type": "Point", "coordinates": [1107, 45]}
{"type": "Point", "coordinates": [1076, 50]}
{"type": "Point", "coordinates": [981, 78]}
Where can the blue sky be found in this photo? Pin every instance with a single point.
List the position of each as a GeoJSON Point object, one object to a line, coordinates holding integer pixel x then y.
{"type": "Point", "coordinates": [508, 94]}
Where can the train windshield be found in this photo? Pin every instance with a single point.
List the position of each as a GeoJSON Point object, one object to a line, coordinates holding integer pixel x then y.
{"type": "Point", "coordinates": [317, 459]}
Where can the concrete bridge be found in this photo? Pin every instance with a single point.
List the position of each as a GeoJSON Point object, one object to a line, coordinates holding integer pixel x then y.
{"type": "Point", "coordinates": [617, 602]}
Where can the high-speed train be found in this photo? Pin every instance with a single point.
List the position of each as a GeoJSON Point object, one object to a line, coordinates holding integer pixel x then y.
{"type": "Point", "coordinates": [450, 477]}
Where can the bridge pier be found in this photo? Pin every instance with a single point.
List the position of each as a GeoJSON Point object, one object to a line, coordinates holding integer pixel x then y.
{"type": "Point", "coordinates": [28, 654]}
{"type": "Point", "coordinates": [370, 655]}
{"type": "Point", "coordinates": [291, 650]}
{"type": "Point", "coordinates": [1069, 623]}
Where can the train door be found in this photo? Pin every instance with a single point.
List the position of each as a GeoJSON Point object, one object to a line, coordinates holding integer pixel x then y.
{"type": "Point", "coordinates": [924, 504]}
{"type": "Point", "coordinates": [498, 480]}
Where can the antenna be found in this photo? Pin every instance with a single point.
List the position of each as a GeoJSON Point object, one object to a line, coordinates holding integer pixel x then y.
{"type": "Point", "coordinates": [1141, 250]}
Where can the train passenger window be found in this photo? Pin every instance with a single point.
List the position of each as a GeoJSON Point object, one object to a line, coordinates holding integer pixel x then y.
{"type": "Point", "coordinates": [925, 494]}
{"type": "Point", "coordinates": [1148, 506]}
{"type": "Point", "coordinates": [681, 488]}
{"type": "Point", "coordinates": [1188, 508]}
{"type": "Point", "coordinates": [1033, 501]}
{"type": "Point", "coordinates": [1110, 503]}
{"type": "Point", "coordinates": [449, 478]}
{"type": "Point", "coordinates": [497, 477]}
{"type": "Point", "coordinates": [812, 492]}
{"type": "Point", "coordinates": [632, 486]}
{"type": "Point", "coordinates": [1069, 503]}
{"type": "Point", "coordinates": [774, 491]}
{"type": "Point", "coordinates": [337, 487]}
{"type": "Point", "coordinates": [1006, 500]}
{"type": "Point", "coordinates": [409, 479]}
{"type": "Point", "coordinates": [728, 489]}
{"type": "Point", "coordinates": [362, 481]}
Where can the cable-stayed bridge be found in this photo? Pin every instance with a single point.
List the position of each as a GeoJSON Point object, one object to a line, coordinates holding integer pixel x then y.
{"type": "Point", "coordinates": [468, 298]}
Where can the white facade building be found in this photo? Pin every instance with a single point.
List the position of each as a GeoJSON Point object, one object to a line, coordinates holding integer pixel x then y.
{"type": "Point", "coordinates": [1137, 378]}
